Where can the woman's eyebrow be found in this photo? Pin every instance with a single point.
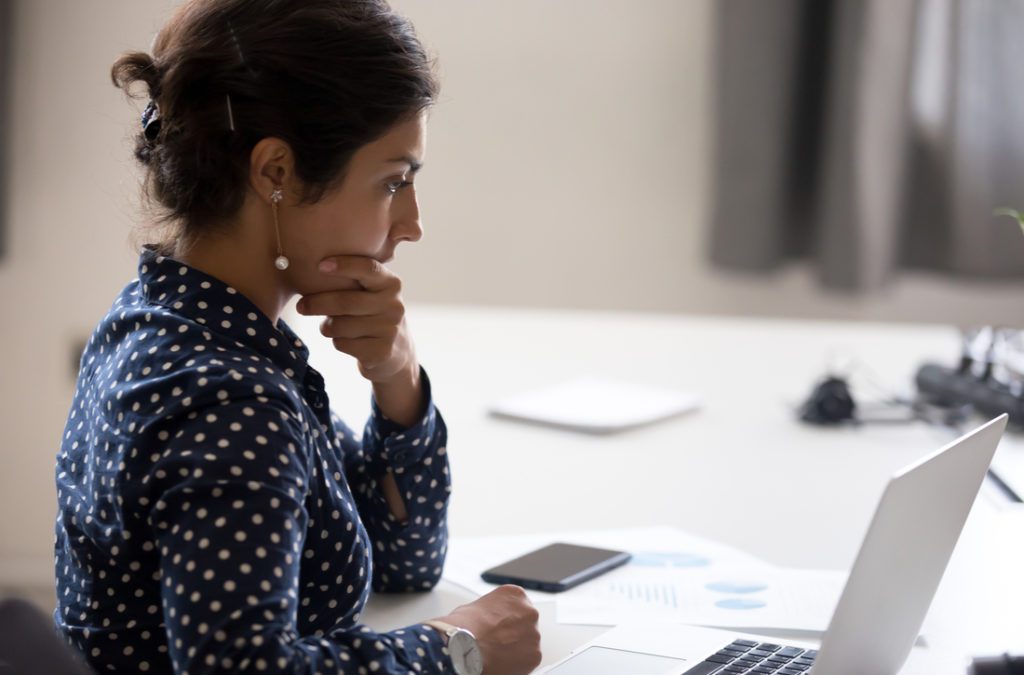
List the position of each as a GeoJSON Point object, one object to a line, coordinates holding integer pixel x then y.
{"type": "Point", "coordinates": [414, 165]}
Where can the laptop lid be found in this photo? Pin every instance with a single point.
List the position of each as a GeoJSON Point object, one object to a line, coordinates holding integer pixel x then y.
{"type": "Point", "coordinates": [904, 555]}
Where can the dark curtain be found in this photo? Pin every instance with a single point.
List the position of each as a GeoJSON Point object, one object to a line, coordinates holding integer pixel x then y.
{"type": "Point", "coordinates": [868, 136]}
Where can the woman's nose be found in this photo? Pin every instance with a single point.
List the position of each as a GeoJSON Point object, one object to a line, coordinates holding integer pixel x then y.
{"type": "Point", "coordinates": [408, 226]}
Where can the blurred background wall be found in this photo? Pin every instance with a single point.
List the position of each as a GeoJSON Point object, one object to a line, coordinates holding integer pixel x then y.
{"type": "Point", "coordinates": [568, 165]}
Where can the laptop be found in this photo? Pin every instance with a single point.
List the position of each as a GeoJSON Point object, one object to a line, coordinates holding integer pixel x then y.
{"type": "Point", "coordinates": [883, 605]}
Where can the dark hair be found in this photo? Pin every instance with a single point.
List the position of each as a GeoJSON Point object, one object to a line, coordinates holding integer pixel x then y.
{"type": "Point", "coordinates": [325, 76]}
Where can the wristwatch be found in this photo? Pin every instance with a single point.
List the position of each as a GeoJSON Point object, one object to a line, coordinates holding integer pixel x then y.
{"type": "Point", "coordinates": [462, 647]}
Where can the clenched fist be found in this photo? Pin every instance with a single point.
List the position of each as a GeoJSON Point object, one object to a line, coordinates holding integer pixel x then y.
{"type": "Point", "coordinates": [504, 623]}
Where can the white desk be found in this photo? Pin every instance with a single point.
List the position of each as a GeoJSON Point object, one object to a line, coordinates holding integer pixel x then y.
{"type": "Point", "coordinates": [742, 470]}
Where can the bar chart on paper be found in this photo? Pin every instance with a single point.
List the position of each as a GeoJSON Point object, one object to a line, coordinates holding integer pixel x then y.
{"type": "Point", "coordinates": [673, 576]}
{"type": "Point", "coordinates": [764, 597]}
{"type": "Point", "coordinates": [655, 596]}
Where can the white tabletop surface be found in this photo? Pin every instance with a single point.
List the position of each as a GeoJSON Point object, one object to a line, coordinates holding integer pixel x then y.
{"type": "Point", "coordinates": [742, 470]}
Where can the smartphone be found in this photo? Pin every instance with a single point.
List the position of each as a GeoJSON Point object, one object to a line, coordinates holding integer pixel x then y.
{"type": "Point", "coordinates": [556, 568]}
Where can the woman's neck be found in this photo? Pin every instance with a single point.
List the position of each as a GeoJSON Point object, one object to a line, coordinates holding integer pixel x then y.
{"type": "Point", "coordinates": [237, 255]}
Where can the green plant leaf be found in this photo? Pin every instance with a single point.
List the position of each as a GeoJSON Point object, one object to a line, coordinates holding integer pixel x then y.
{"type": "Point", "coordinates": [1013, 213]}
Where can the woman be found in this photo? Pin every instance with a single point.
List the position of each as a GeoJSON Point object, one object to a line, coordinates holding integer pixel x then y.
{"type": "Point", "coordinates": [213, 514]}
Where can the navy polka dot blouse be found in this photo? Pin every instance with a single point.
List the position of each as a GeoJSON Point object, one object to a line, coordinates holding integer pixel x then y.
{"type": "Point", "coordinates": [213, 515]}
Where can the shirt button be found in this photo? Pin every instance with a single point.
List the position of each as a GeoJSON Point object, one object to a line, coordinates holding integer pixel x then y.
{"type": "Point", "coordinates": [400, 457]}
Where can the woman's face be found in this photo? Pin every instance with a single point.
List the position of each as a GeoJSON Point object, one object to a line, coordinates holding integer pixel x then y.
{"type": "Point", "coordinates": [369, 214]}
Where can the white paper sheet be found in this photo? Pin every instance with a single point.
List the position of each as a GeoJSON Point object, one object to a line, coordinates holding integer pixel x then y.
{"type": "Point", "coordinates": [673, 576]}
{"type": "Point", "coordinates": [596, 406]}
{"type": "Point", "coordinates": [652, 546]}
{"type": "Point", "coordinates": [713, 595]}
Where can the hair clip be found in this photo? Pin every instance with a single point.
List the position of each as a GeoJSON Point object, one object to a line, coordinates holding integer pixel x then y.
{"type": "Point", "coordinates": [231, 114]}
{"type": "Point", "coordinates": [151, 121]}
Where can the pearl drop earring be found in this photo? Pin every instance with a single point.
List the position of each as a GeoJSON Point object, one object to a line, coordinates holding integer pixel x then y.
{"type": "Point", "coordinates": [280, 262]}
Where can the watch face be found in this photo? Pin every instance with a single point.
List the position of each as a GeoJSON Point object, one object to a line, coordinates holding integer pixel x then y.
{"type": "Point", "coordinates": [465, 653]}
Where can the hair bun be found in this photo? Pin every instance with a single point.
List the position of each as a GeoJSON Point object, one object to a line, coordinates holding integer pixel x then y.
{"type": "Point", "coordinates": [132, 67]}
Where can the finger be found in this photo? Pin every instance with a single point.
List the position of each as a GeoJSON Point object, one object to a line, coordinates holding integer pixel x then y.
{"type": "Point", "coordinates": [512, 590]}
{"type": "Point", "coordinates": [341, 303]}
{"type": "Point", "coordinates": [358, 327]}
{"type": "Point", "coordinates": [371, 274]}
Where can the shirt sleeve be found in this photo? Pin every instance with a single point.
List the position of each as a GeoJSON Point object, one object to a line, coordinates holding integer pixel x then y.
{"type": "Point", "coordinates": [407, 556]}
{"type": "Point", "coordinates": [229, 521]}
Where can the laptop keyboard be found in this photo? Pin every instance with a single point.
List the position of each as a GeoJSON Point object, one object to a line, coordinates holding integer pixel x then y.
{"type": "Point", "coordinates": [760, 658]}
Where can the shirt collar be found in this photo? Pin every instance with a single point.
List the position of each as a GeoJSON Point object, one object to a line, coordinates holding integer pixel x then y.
{"type": "Point", "coordinates": [221, 309]}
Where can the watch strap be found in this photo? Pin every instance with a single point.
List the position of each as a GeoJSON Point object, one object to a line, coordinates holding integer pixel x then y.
{"type": "Point", "coordinates": [446, 628]}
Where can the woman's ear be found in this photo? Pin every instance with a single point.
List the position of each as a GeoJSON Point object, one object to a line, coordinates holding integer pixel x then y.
{"type": "Point", "coordinates": [272, 165]}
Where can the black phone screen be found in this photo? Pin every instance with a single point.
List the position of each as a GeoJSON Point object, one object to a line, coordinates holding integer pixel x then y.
{"type": "Point", "coordinates": [556, 567]}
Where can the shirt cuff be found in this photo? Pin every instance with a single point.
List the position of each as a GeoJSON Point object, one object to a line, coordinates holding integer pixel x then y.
{"type": "Point", "coordinates": [419, 643]}
{"type": "Point", "coordinates": [431, 640]}
{"type": "Point", "coordinates": [402, 447]}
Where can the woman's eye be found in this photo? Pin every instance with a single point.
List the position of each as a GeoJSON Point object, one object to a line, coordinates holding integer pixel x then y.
{"type": "Point", "coordinates": [396, 185]}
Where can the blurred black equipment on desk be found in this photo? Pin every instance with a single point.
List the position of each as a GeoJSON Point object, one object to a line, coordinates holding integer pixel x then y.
{"type": "Point", "coordinates": [989, 377]}
{"type": "Point", "coordinates": [830, 402]}
{"type": "Point", "coordinates": [999, 665]}
{"type": "Point", "coordinates": [988, 381]}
